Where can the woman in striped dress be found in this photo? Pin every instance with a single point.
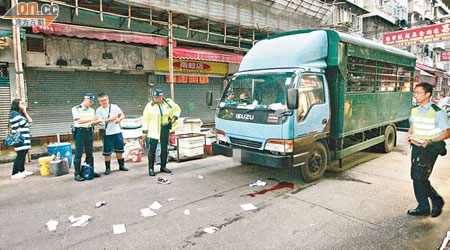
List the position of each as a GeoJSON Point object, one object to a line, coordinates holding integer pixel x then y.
{"type": "Point", "coordinates": [20, 121]}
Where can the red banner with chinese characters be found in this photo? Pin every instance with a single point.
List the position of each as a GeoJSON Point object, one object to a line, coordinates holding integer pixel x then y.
{"type": "Point", "coordinates": [188, 79]}
{"type": "Point", "coordinates": [445, 56]}
{"type": "Point", "coordinates": [434, 33]}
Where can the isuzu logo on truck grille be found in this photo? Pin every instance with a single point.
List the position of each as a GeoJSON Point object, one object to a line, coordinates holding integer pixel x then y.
{"type": "Point", "coordinates": [245, 116]}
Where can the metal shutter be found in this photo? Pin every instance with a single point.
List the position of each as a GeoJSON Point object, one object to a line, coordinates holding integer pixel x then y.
{"type": "Point", "coordinates": [52, 94]}
{"type": "Point", "coordinates": [192, 93]}
{"type": "Point", "coordinates": [5, 105]}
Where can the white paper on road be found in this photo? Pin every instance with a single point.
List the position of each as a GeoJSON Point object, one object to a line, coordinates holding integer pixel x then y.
{"type": "Point", "coordinates": [201, 177]}
{"type": "Point", "coordinates": [147, 212]}
{"type": "Point", "coordinates": [80, 221]}
{"type": "Point", "coordinates": [258, 183]}
{"type": "Point", "coordinates": [248, 207]}
{"type": "Point", "coordinates": [51, 225]}
{"type": "Point", "coordinates": [445, 241]}
{"type": "Point", "coordinates": [210, 230]}
{"type": "Point", "coordinates": [100, 203]}
{"type": "Point", "coordinates": [119, 229]}
{"type": "Point", "coordinates": [170, 199]}
{"type": "Point", "coordinates": [187, 212]}
{"type": "Point", "coordinates": [156, 205]}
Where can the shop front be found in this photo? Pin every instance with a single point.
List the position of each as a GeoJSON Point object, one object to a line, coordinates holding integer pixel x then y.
{"type": "Point", "coordinates": [192, 79]}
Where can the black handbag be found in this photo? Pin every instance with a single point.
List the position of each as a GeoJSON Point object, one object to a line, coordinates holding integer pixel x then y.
{"type": "Point", "coordinates": [14, 139]}
{"type": "Point", "coordinates": [102, 131]}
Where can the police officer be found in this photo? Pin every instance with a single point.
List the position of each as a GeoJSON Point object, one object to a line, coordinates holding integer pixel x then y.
{"type": "Point", "coordinates": [160, 116]}
{"type": "Point", "coordinates": [84, 121]}
{"type": "Point", "coordinates": [429, 128]}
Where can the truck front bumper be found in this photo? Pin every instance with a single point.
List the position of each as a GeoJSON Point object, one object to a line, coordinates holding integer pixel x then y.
{"type": "Point", "coordinates": [253, 157]}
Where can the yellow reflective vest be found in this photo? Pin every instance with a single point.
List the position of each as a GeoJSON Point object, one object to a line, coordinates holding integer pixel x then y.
{"type": "Point", "coordinates": [156, 115]}
{"type": "Point", "coordinates": [88, 113]}
{"type": "Point", "coordinates": [424, 125]}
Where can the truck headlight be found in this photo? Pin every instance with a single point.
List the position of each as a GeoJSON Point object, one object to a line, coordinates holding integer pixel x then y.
{"type": "Point", "coordinates": [282, 146]}
{"type": "Point", "coordinates": [220, 136]}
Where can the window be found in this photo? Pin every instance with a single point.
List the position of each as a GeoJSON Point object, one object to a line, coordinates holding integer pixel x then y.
{"type": "Point", "coordinates": [310, 92]}
{"type": "Point", "coordinates": [372, 76]}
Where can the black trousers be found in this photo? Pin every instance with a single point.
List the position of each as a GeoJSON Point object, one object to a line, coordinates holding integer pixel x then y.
{"type": "Point", "coordinates": [83, 143]}
{"type": "Point", "coordinates": [422, 163]}
{"type": "Point", "coordinates": [164, 139]}
{"type": "Point", "coordinates": [19, 162]}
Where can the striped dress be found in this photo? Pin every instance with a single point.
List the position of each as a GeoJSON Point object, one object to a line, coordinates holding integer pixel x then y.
{"type": "Point", "coordinates": [20, 123]}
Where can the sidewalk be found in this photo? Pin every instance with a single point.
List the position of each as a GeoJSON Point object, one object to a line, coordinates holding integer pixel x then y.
{"type": "Point", "coordinates": [9, 155]}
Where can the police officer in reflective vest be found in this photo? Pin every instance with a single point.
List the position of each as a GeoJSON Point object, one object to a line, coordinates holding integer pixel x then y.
{"type": "Point", "coordinates": [84, 121]}
{"type": "Point", "coordinates": [429, 128]}
{"type": "Point", "coordinates": [159, 118]}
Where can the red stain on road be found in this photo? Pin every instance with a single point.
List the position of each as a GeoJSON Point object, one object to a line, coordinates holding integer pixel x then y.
{"type": "Point", "coordinates": [280, 185]}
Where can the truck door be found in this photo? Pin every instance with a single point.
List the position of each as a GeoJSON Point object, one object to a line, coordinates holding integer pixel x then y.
{"type": "Point", "coordinates": [313, 113]}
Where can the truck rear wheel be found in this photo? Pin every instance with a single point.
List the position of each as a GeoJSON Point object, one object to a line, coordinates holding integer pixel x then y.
{"type": "Point", "coordinates": [316, 164]}
{"type": "Point", "coordinates": [389, 140]}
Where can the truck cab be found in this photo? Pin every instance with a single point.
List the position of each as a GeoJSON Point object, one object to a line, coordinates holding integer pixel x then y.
{"type": "Point", "coordinates": [300, 97]}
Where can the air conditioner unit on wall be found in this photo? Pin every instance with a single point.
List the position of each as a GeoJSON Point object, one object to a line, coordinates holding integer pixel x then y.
{"type": "Point", "coordinates": [35, 51]}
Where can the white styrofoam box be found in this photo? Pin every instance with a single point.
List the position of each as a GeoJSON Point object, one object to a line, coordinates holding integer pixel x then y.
{"type": "Point", "coordinates": [189, 125]}
{"type": "Point", "coordinates": [131, 123]}
{"type": "Point", "coordinates": [131, 133]}
{"type": "Point", "coordinates": [192, 142]}
{"type": "Point", "coordinates": [189, 152]}
{"type": "Point", "coordinates": [210, 140]}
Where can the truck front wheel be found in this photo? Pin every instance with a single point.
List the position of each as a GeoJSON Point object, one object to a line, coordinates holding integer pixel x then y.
{"type": "Point", "coordinates": [316, 164]}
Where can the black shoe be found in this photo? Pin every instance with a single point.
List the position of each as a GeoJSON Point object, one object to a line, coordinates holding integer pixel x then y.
{"type": "Point", "coordinates": [123, 168]}
{"type": "Point", "coordinates": [95, 175]}
{"type": "Point", "coordinates": [437, 208]}
{"type": "Point", "coordinates": [78, 177]}
{"type": "Point", "coordinates": [416, 212]}
{"type": "Point", "coordinates": [166, 170]}
{"type": "Point", "coordinates": [151, 172]}
{"type": "Point", "coordinates": [108, 170]}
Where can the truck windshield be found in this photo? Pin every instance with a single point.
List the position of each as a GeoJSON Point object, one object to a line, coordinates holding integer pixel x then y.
{"type": "Point", "coordinates": [266, 91]}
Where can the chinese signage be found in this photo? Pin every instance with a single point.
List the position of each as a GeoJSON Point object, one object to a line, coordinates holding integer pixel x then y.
{"type": "Point", "coordinates": [434, 33]}
{"type": "Point", "coordinates": [31, 14]}
{"type": "Point", "coordinates": [188, 79]}
{"type": "Point", "coordinates": [191, 66]}
{"type": "Point", "coordinates": [445, 56]}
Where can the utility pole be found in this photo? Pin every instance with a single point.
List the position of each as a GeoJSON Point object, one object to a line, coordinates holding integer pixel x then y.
{"type": "Point", "coordinates": [18, 58]}
{"type": "Point", "coordinates": [172, 91]}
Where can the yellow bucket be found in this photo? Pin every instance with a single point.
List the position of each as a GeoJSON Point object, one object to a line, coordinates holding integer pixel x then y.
{"type": "Point", "coordinates": [44, 164]}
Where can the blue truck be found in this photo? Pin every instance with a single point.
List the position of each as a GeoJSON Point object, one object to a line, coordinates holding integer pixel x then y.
{"type": "Point", "coordinates": [303, 98]}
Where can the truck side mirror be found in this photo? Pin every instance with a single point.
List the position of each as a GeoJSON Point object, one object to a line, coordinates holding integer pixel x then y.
{"type": "Point", "coordinates": [292, 98]}
{"type": "Point", "coordinates": [209, 97]}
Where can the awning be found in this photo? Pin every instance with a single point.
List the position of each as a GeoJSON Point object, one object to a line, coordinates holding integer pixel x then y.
{"type": "Point", "coordinates": [100, 34]}
{"type": "Point", "coordinates": [9, 33]}
{"type": "Point", "coordinates": [426, 68]}
{"type": "Point", "coordinates": [207, 55]}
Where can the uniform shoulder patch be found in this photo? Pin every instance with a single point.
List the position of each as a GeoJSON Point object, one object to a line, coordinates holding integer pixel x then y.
{"type": "Point", "coordinates": [435, 107]}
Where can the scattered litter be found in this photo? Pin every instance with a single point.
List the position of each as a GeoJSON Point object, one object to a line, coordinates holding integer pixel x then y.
{"type": "Point", "coordinates": [100, 203]}
{"type": "Point", "coordinates": [170, 199]}
{"type": "Point", "coordinates": [119, 229]}
{"type": "Point", "coordinates": [248, 207]}
{"type": "Point", "coordinates": [162, 180]}
{"type": "Point", "coordinates": [187, 212]}
{"type": "Point", "coordinates": [258, 183]}
{"type": "Point", "coordinates": [445, 241]}
{"type": "Point", "coordinates": [210, 230]}
{"type": "Point", "coordinates": [147, 212]}
{"type": "Point", "coordinates": [155, 205]}
{"type": "Point", "coordinates": [201, 177]}
{"type": "Point", "coordinates": [51, 225]}
{"type": "Point", "coordinates": [80, 221]}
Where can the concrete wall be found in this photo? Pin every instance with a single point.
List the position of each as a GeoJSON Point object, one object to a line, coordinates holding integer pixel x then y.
{"type": "Point", "coordinates": [125, 56]}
